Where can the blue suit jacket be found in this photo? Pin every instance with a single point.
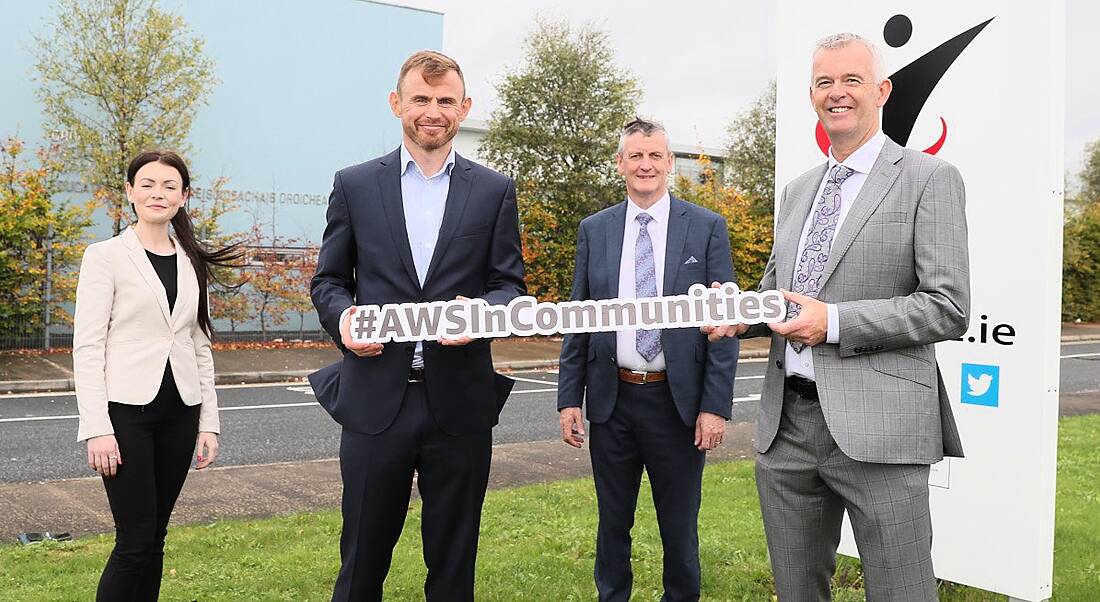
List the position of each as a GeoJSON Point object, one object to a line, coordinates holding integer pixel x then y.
{"type": "Point", "coordinates": [700, 374]}
{"type": "Point", "coordinates": [365, 259]}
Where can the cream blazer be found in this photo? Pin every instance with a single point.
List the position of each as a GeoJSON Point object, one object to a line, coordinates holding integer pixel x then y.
{"type": "Point", "coordinates": [123, 334]}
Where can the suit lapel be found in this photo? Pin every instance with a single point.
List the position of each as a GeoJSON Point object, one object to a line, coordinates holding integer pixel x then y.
{"type": "Point", "coordinates": [790, 234]}
{"type": "Point", "coordinates": [878, 183]}
{"type": "Point", "coordinates": [613, 234]}
{"type": "Point", "coordinates": [676, 236]}
{"type": "Point", "coordinates": [389, 188]}
{"type": "Point", "coordinates": [458, 193]}
{"type": "Point", "coordinates": [136, 252]}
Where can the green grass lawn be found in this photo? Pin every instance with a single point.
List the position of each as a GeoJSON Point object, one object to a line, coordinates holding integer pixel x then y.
{"type": "Point", "coordinates": [537, 543]}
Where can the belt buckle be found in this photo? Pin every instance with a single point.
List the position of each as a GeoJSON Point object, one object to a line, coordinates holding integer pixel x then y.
{"type": "Point", "coordinates": [643, 374]}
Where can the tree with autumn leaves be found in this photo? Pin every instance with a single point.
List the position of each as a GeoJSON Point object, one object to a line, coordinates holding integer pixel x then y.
{"type": "Point", "coordinates": [750, 234]}
{"type": "Point", "coordinates": [33, 225]}
{"type": "Point", "coordinates": [278, 276]}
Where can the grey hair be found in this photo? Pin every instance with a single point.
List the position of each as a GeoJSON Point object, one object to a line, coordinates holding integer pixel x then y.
{"type": "Point", "coordinates": [838, 40]}
{"type": "Point", "coordinates": [640, 125]}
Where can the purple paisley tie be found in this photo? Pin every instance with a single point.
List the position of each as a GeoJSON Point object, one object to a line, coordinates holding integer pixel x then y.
{"type": "Point", "coordinates": [648, 342]}
{"type": "Point", "coordinates": [819, 239]}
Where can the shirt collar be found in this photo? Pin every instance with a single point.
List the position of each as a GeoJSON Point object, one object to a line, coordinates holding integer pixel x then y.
{"type": "Point", "coordinates": [658, 211]}
{"type": "Point", "coordinates": [407, 159]}
{"type": "Point", "coordinates": [864, 157]}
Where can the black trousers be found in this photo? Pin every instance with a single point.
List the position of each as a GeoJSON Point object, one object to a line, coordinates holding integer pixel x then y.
{"type": "Point", "coordinates": [377, 470]}
{"type": "Point", "coordinates": [645, 431]}
{"type": "Point", "coordinates": [156, 442]}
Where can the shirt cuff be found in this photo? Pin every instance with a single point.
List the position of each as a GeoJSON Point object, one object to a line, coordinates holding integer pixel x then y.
{"type": "Point", "coordinates": [832, 335]}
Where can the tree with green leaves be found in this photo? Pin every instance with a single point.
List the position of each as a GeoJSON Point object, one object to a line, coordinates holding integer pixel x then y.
{"type": "Point", "coordinates": [1090, 175]}
{"type": "Point", "coordinates": [32, 226]}
{"type": "Point", "coordinates": [750, 168]}
{"type": "Point", "coordinates": [1081, 244]}
{"type": "Point", "coordinates": [118, 77]}
{"type": "Point", "coordinates": [556, 131]}
{"type": "Point", "coordinates": [1081, 264]}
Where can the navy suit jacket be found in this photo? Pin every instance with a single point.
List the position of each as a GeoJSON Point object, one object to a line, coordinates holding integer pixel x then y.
{"type": "Point", "coordinates": [365, 259]}
{"type": "Point", "coordinates": [700, 374]}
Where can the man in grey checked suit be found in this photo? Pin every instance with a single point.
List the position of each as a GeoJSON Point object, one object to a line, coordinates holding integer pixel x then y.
{"type": "Point", "coordinates": [657, 399]}
{"type": "Point", "coordinates": [873, 248]}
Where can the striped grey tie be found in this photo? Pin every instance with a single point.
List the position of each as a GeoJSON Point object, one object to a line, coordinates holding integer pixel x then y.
{"type": "Point", "coordinates": [648, 342]}
{"type": "Point", "coordinates": [819, 242]}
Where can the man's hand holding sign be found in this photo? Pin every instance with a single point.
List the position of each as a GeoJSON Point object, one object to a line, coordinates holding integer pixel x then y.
{"type": "Point", "coordinates": [809, 327]}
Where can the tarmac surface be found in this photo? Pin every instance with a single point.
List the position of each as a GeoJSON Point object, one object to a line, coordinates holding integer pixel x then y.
{"type": "Point", "coordinates": [79, 505]}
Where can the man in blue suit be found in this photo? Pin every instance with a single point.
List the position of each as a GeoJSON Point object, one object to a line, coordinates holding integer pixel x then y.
{"type": "Point", "coordinates": [657, 399]}
{"type": "Point", "coordinates": [419, 224]}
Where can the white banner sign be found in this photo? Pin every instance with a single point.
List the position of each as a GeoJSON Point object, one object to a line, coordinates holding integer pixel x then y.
{"type": "Point", "coordinates": [952, 65]}
{"type": "Point", "coordinates": [525, 316]}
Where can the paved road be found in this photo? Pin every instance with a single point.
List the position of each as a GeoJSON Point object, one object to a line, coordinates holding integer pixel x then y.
{"type": "Point", "coordinates": [279, 423]}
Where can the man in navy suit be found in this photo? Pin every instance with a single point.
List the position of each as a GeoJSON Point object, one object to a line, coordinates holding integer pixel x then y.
{"type": "Point", "coordinates": [657, 399]}
{"type": "Point", "coordinates": [419, 224]}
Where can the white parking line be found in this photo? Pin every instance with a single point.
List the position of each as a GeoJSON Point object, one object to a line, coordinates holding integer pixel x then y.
{"type": "Point", "coordinates": [34, 395]}
{"type": "Point", "coordinates": [532, 380]}
{"type": "Point", "coordinates": [37, 418]}
{"type": "Point", "coordinates": [269, 406]}
{"type": "Point", "coordinates": [1076, 355]}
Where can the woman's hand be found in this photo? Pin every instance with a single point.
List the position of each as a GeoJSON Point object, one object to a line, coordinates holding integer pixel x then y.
{"type": "Point", "coordinates": [103, 455]}
{"type": "Point", "coordinates": [207, 450]}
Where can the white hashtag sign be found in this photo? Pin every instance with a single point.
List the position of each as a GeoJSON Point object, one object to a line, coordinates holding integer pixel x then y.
{"type": "Point", "coordinates": [525, 316]}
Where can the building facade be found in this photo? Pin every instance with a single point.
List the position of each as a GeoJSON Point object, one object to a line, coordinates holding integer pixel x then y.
{"type": "Point", "coordinates": [301, 91]}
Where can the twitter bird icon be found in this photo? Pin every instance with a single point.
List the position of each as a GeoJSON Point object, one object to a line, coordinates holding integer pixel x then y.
{"type": "Point", "coordinates": [981, 384]}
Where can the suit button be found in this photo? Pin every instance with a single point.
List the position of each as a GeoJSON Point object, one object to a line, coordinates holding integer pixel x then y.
{"type": "Point", "coordinates": [779, 364]}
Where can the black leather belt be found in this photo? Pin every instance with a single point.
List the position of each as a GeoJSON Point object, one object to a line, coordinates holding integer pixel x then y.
{"type": "Point", "coordinates": [416, 375]}
{"type": "Point", "coordinates": [803, 387]}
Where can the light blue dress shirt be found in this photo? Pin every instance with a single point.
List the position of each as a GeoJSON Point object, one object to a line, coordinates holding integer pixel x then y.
{"type": "Point", "coordinates": [424, 199]}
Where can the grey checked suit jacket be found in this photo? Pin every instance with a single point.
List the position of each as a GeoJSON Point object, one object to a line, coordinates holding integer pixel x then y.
{"type": "Point", "coordinates": [899, 275]}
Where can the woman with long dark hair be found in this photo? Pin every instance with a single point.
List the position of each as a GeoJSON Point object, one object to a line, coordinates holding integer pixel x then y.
{"type": "Point", "coordinates": [143, 368]}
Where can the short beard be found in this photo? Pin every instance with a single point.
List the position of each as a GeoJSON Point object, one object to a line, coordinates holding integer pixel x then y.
{"type": "Point", "coordinates": [429, 144]}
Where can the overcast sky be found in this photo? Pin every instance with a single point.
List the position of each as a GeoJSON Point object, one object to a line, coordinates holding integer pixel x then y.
{"type": "Point", "coordinates": [701, 63]}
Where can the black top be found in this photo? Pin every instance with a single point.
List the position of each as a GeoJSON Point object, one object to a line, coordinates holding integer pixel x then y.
{"type": "Point", "coordinates": [165, 265]}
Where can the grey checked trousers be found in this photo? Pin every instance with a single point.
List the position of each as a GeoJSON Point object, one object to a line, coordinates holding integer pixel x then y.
{"type": "Point", "coordinates": [806, 483]}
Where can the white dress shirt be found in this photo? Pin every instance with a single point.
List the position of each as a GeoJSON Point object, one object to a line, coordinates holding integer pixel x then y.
{"type": "Point", "coordinates": [626, 341]}
{"type": "Point", "coordinates": [861, 161]}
